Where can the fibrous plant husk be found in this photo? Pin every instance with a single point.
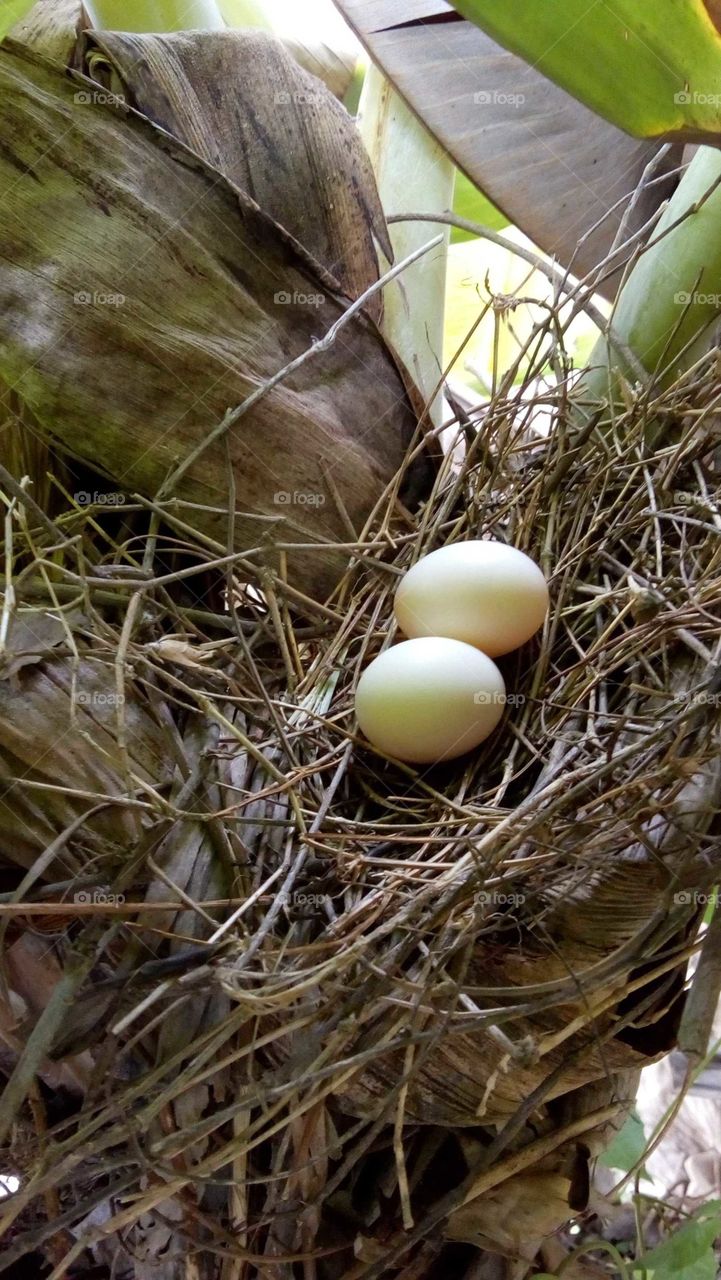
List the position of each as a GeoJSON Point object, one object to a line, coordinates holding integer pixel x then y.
{"type": "Point", "coordinates": [53, 26]}
{"type": "Point", "coordinates": [139, 307]}
{"type": "Point", "coordinates": [274, 130]}
{"type": "Point", "coordinates": [48, 698]}
{"type": "Point", "coordinates": [342, 1010]}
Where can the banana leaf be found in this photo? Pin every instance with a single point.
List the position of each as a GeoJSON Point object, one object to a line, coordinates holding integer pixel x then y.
{"type": "Point", "coordinates": [654, 71]}
{"type": "Point", "coordinates": [331, 55]}
{"type": "Point", "coordinates": [60, 755]}
{"type": "Point", "coordinates": [51, 27]}
{"type": "Point", "coordinates": [553, 167]}
{"type": "Point", "coordinates": [155, 15]}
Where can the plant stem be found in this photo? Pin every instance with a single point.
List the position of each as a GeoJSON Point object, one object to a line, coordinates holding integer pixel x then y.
{"type": "Point", "coordinates": [12, 12]}
{"type": "Point", "coordinates": [591, 1246]}
{"type": "Point", "coordinates": [154, 15]}
{"type": "Point", "coordinates": [412, 171]}
{"type": "Point", "coordinates": [673, 294]}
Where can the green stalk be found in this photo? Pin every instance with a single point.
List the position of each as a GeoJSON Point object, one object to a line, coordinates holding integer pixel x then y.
{"type": "Point", "coordinates": [11, 12]}
{"type": "Point", "coordinates": [154, 15]}
{"type": "Point", "coordinates": [672, 297]}
{"type": "Point", "coordinates": [414, 175]}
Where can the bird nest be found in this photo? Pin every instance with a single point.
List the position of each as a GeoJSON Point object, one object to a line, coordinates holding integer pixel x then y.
{"type": "Point", "coordinates": [276, 1005]}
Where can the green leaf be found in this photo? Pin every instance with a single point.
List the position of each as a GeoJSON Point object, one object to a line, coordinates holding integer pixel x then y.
{"type": "Point", "coordinates": [627, 1147]}
{"type": "Point", "coordinates": [688, 1253]}
{"type": "Point", "coordinates": [469, 202]}
{"type": "Point", "coordinates": [652, 69]}
{"type": "Point", "coordinates": [713, 905]}
{"type": "Point", "coordinates": [11, 11]}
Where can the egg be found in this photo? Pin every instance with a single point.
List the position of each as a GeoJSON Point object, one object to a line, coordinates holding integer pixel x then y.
{"type": "Point", "coordinates": [429, 699]}
{"type": "Point", "coordinates": [482, 592]}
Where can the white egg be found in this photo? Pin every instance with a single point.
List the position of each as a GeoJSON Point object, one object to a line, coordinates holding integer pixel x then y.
{"type": "Point", "coordinates": [483, 592]}
{"type": "Point", "coordinates": [429, 699]}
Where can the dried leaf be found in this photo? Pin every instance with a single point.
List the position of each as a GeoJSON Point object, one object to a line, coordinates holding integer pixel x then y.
{"type": "Point", "coordinates": [242, 103]}
{"type": "Point", "coordinates": [53, 765]}
{"type": "Point", "coordinates": [180, 651]}
{"type": "Point", "coordinates": [334, 63]}
{"type": "Point", "coordinates": [33, 970]}
{"type": "Point", "coordinates": [144, 296]}
{"type": "Point", "coordinates": [51, 27]}
{"type": "Point", "coordinates": [33, 633]}
{"type": "Point", "coordinates": [334, 66]}
{"type": "Point", "coordinates": [513, 1219]}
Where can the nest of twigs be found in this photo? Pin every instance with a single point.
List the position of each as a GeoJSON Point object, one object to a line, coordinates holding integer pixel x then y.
{"type": "Point", "coordinates": [278, 1006]}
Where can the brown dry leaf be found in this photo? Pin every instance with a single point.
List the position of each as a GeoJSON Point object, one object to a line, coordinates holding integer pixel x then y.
{"type": "Point", "coordinates": [514, 1218]}
{"type": "Point", "coordinates": [241, 102]}
{"type": "Point", "coordinates": [142, 295]}
{"type": "Point", "coordinates": [170, 649]}
{"type": "Point", "coordinates": [56, 766]}
{"type": "Point", "coordinates": [335, 67]}
{"type": "Point", "coordinates": [470, 1078]}
{"type": "Point", "coordinates": [558, 171]}
{"type": "Point", "coordinates": [51, 27]}
{"type": "Point", "coordinates": [32, 634]}
{"type": "Point", "coordinates": [32, 971]}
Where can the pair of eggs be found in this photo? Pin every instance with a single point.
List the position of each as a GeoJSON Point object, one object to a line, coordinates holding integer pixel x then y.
{"type": "Point", "coordinates": [438, 694]}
